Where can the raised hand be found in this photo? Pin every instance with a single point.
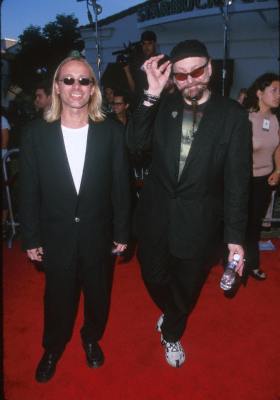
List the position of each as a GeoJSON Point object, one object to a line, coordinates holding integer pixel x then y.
{"type": "Point", "coordinates": [157, 76]}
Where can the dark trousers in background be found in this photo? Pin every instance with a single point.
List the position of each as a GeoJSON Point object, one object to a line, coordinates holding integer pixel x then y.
{"type": "Point", "coordinates": [174, 284]}
{"type": "Point", "coordinates": [62, 293]}
{"type": "Point", "coordinates": [260, 196]}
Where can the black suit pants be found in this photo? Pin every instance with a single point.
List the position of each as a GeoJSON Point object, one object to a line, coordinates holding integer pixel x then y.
{"type": "Point", "coordinates": [174, 285]}
{"type": "Point", "coordinates": [260, 196]}
{"type": "Point", "coordinates": [64, 284]}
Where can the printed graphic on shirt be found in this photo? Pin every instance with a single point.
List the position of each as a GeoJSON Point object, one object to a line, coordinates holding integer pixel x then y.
{"type": "Point", "coordinates": [189, 128]}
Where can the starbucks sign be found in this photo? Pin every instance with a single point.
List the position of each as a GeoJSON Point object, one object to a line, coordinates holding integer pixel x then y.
{"type": "Point", "coordinates": [163, 8]}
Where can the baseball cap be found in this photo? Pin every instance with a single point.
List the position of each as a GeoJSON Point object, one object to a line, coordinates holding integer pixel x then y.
{"type": "Point", "coordinates": [188, 48]}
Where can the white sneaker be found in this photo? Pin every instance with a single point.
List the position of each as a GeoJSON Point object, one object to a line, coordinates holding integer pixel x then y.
{"type": "Point", "coordinates": [174, 353]}
{"type": "Point", "coordinates": [159, 323]}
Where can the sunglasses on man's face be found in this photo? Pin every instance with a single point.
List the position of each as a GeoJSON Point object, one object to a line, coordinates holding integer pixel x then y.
{"type": "Point", "coordinates": [196, 73]}
{"type": "Point", "coordinates": [69, 81]}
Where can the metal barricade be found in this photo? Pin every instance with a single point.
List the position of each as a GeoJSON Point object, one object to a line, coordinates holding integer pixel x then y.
{"type": "Point", "coordinates": [7, 183]}
{"type": "Point", "coordinates": [270, 215]}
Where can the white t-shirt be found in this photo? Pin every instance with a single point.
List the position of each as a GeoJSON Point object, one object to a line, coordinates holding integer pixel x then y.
{"type": "Point", "coordinates": [75, 141]}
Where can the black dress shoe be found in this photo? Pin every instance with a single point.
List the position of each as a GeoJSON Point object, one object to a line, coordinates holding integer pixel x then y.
{"type": "Point", "coordinates": [94, 354]}
{"type": "Point", "coordinates": [46, 367]}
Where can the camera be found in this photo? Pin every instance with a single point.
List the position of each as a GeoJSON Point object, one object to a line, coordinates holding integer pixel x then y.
{"type": "Point", "coordinates": [123, 59]}
{"type": "Point", "coordinates": [128, 53]}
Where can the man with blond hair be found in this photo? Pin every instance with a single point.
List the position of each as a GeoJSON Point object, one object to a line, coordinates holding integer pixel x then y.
{"type": "Point", "coordinates": [74, 207]}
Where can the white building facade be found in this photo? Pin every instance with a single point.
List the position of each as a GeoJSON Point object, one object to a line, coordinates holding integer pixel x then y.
{"type": "Point", "coordinates": [246, 32]}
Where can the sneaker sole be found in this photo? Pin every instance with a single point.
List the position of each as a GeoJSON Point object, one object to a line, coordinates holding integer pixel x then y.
{"type": "Point", "coordinates": [178, 363]}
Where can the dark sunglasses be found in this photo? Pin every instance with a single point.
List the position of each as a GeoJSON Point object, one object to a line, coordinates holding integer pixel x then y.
{"type": "Point", "coordinates": [196, 73]}
{"type": "Point", "coordinates": [70, 81]}
{"type": "Point", "coordinates": [117, 103]}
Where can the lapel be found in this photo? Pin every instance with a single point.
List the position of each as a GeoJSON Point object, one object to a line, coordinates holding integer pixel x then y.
{"type": "Point", "coordinates": [59, 158]}
{"type": "Point", "coordinates": [171, 132]}
{"type": "Point", "coordinates": [89, 156]}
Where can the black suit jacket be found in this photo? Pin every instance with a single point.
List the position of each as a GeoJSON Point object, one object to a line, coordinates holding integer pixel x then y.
{"type": "Point", "coordinates": [213, 188]}
{"type": "Point", "coordinates": [52, 215]}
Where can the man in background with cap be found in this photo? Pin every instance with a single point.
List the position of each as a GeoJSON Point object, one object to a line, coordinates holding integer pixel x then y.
{"type": "Point", "coordinates": [197, 190]}
{"type": "Point", "coordinates": [135, 74]}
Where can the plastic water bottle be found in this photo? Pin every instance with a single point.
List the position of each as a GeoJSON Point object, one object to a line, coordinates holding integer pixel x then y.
{"type": "Point", "coordinates": [229, 276]}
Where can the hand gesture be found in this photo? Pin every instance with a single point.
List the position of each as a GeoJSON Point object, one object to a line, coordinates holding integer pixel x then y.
{"type": "Point", "coordinates": [274, 178]}
{"type": "Point", "coordinates": [119, 248]}
{"type": "Point", "coordinates": [157, 76]}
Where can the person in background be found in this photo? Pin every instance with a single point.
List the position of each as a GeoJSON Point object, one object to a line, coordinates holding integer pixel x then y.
{"type": "Point", "coordinates": [5, 134]}
{"type": "Point", "coordinates": [74, 207]}
{"type": "Point", "coordinates": [120, 107]}
{"type": "Point", "coordinates": [135, 74]}
{"type": "Point", "coordinates": [263, 97]}
{"type": "Point", "coordinates": [42, 100]}
{"type": "Point", "coordinates": [197, 190]}
{"type": "Point", "coordinates": [108, 99]}
{"type": "Point", "coordinates": [121, 113]}
{"type": "Point", "coordinates": [242, 95]}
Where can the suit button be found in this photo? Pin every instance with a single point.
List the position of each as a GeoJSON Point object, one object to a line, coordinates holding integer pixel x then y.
{"type": "Point", "coordinates": [77, 219]}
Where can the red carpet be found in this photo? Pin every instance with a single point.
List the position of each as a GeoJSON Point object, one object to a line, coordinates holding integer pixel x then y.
{"type": "Point", "coordinates": [233, 345]}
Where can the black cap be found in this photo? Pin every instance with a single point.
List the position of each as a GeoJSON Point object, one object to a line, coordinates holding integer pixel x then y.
{"type": "Point", "coordinates": [188, 48]}
{"type": "Point", "coordinates": [148, 36]}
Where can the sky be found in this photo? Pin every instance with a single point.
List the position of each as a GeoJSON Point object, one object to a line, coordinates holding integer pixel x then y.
{"type": "Point", "coordinates": [16, 15]}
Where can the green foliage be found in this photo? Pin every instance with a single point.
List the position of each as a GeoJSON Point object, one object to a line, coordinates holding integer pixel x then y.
{"type": "Point", "coordinates": [42, 49]}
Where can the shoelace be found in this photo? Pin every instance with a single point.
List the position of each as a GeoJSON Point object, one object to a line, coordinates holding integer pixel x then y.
{"type": "Point", "coordinates": [173, 346]}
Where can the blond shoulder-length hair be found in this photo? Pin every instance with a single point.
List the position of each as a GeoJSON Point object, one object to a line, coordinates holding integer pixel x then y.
{"type": "Point", "coordinates": [95, 103]}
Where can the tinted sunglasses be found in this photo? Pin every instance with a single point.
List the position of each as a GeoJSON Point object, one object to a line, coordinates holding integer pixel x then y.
{"type": "Point", "coordinates": [69, 81]}
{"type": "Point", "coordinates": [196, 73]}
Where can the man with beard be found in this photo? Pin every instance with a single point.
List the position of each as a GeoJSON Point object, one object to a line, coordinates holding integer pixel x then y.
{"type": "Point", "coordinates": [197, 187]}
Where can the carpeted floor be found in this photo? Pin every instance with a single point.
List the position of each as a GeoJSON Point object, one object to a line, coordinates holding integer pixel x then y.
{"type": "Point", "coordinates": [232, 345]}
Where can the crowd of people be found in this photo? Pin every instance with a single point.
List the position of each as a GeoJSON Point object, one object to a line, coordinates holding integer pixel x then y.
{"type": "Point", "coordinates": [211, 164]}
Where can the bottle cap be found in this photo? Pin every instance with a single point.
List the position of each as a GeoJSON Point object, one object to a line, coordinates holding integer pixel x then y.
{"type": "Point", "coordinates": [236, 257]}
